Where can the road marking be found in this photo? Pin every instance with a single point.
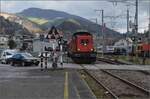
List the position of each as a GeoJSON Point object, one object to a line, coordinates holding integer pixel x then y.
{"type": "Point", "coordinates": [66, 95]}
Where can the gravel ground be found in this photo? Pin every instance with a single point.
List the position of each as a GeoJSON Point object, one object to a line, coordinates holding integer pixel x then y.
{"type": "Point", "coordinates": [119, 88]}
{"type": "Point", "coordinates": [100, 62]}
{"type": "Point", "coordinates": [97, 89]}
{"type": "Point", "coordinates": [136, 77]}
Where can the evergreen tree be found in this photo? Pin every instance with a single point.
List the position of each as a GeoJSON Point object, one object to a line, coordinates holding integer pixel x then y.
{"type": "Point", "coordinates": [12, 44]}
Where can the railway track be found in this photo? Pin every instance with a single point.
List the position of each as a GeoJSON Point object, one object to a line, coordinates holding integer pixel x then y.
{"type": "Point", "coordinates": [126, 84]}
{"type": "Point", "coordinates": [112, 61]}
{"type": "Point", "coordinates": [100, 83]}
{"type": "Point", "coordinates": [116, 62]}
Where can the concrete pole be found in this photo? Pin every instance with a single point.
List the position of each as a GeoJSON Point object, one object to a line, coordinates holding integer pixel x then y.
{"type": "Point", "coordinates": [96, 20]}
{"type": "Point", "coordinates": [136, 15]}
{"type": "Point", "coordinates": [127, 50]}
{"type": "Point", "coordinates": [102, 11]}
{"type": "Point", "coordinates": [103, 32]}
{"type": "Point", "coordinates": [149, 28]}
{"type": "Point", "coordinates": [149, 32]}
{"type": "Point", "coordinates": [149, 25]}
{"type": "Point", "coordinates": [96, 38]}
{"type": "Point", "coordinates": [136, 28]}
{"type": "Point", "coordinates": [127, 20]}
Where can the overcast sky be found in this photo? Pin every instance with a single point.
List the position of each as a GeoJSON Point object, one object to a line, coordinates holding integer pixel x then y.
{"type": "Point", "coordinates": [85, 8]}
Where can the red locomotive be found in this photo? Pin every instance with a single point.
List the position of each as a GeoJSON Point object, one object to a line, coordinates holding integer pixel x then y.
{"type": "Point", "coordinates": [81, 48]}
{"type": "Point", "coordinates": [144, 50]}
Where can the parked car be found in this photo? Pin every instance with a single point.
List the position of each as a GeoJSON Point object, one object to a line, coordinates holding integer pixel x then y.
{"type": "Point", "coordinates": [23, 59]}
{"type": "Point", "coordinates": [6, 54]}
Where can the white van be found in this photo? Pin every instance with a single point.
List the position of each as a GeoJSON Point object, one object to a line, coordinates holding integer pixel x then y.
{"type": "Point", "coordinates": [6, 54]}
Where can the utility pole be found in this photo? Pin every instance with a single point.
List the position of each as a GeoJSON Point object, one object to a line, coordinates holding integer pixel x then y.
{"type": "Point", "coordinates": [127, 20]}
{"type": "Point", "coordinates": [97, 34]}
{"type": "Point", "coordinates": [127, 50]}
{"type": "Point", "coordinates": [149, 26]}
{"type": "Point", "coordinates": [103, 41]}
{"type": "Point", "coordinates": [95, 19]}
{"type": "Point", "coordinates": [103, 32]}
{"type": "Point", "coordinates": [149, 32]}
{"type": "Point", "coordinates": [136, 17]}
{"type": "Point", "coordinates": [136, 29]}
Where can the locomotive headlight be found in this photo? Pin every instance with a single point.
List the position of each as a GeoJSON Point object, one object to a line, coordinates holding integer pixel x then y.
{"type": "Point", "coordinates": [91, 49]}
{"type": "Point", "coordinates": [78, 49]}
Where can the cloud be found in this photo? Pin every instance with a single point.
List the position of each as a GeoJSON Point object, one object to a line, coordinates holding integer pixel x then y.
{"type": "Point", "coordinates": [86, 9]}
{"type": "Point", "coordinates": [7, 5]}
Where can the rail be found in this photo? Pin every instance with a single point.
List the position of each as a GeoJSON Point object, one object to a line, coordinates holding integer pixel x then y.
{"type": "Point", "coordinates": [128, 82]}
{"type": "Point", "coordinates": [116, 62]}
{"type": "Point", "coordinates": [98, 82]}
{"type": "Point", "coordinates": [145, 91]}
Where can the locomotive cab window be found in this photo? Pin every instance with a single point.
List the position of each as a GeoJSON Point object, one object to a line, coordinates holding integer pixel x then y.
{"type": "Point", "coordinates": [84, 41]}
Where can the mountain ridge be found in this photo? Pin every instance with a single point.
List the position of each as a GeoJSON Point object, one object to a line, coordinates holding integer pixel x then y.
{"type": "Point", "coordinates": [11, 28]}
{"type": "Point", "coordinates": [54, 17]}
{"type": "Point", "coordinates": [32, 27]}
{"type": "Point", "coordinates": [44, 19]}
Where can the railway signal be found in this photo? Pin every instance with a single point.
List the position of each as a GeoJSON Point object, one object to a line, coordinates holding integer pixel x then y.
{"type": "Point", "coordinates": [61, 42]}
{"type": "Point", "coordinates": [41, 60]}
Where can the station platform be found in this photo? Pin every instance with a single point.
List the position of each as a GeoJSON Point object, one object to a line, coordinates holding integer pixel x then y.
{"type": "Point", "coordinates": [32, 83]}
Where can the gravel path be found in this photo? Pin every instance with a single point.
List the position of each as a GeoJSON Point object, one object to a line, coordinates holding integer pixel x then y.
{"type": "Point", "coordinates": [118, 87]}
{"type": "Point", "coordinates": [136, 77]}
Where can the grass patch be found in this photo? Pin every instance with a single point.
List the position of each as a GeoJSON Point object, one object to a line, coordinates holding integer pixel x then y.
{"type": "Point", "coordinates": [39, 21]}
{"type": "Point", "coordinates": [133, 59]}
{"type": "Point", "coordinates": [74, 21]}
{"type": "Point", "coordinates": [130, 59]}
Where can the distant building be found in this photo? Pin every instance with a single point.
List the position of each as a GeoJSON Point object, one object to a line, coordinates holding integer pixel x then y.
{"type": "Point", "coordinates": [29, 44]}
{"type": "Point", "coordinates": [47, 42]}
{"type": "Point", "coordinates": [39, 46]}
{"type": "Point", "coordinates": [18, 39]}
{"type": "Point", "coordinates": [107, 49]}
{"type": "Point", "coordinates": [3, 41]}
{"type": "Point", "coordinates": [125, 44]}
